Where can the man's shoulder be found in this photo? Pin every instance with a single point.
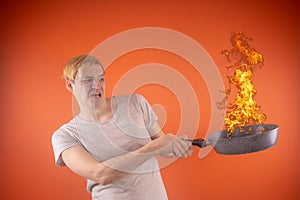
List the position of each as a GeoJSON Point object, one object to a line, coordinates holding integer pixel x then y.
{"type": "Point", "coordinates": [132, 98]}
{"type": "Point", "coordinates": [68, 127]}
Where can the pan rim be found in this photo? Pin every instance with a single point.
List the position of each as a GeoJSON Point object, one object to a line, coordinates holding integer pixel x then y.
{"type": "Point", "coordinates": [216, 136]}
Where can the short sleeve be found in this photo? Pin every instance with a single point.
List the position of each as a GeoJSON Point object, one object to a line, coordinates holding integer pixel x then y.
{"type": "Point", "coordinates": [149, 116]}
{"type": "Point", "coordinates": [62, 139]}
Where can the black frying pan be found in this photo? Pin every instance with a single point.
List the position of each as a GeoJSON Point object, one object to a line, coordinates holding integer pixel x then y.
{"type": "Point", "coordinates": [252, 139]}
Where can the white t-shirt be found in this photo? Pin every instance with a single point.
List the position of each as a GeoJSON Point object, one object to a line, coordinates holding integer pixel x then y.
{"type": "Point", "coordinates": [131, 126]}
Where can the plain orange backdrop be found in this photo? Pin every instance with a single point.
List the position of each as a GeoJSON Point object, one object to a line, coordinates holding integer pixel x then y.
{"type": "Point", "coordinates": [38, 37]}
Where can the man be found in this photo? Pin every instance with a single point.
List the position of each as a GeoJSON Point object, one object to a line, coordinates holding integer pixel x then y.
{"type": "Point", "coordinates": [113, 142]}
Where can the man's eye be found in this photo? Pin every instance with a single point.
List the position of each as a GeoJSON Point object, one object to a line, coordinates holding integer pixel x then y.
{"type": "Point", "coordinates": [88, 80]}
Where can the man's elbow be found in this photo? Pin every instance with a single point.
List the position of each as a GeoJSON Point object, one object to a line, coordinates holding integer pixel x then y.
{"type": "Point", "coordinates": [104, 181]}
{"type": "Point", "coordinates": [106, 176]}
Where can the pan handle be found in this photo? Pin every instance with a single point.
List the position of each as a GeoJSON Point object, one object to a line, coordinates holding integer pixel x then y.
{"type": "Point", "coordinates": [199, 142]}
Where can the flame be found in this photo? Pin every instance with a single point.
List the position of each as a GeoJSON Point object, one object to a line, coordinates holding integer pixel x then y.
{"type": "Point", "coordinates": [243, 59]}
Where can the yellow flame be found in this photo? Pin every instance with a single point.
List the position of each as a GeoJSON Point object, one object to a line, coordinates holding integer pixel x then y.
{"type": "Point", "coordinates": [242, 58]}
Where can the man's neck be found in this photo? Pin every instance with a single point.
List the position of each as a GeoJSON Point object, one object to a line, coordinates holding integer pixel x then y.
{"type": "Point", "coordinates": [99, 113]}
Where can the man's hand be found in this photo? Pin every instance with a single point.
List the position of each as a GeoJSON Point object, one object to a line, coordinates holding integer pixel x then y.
{"type": "Point", "coordinates": [169, 145]}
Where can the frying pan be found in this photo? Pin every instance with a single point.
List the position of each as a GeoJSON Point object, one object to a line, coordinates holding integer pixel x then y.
{"type": "Point", "coordinates": [246, 139]}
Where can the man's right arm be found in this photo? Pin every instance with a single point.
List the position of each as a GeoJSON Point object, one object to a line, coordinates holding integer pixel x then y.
{"type": "Point", "coordinates": [84, 164]}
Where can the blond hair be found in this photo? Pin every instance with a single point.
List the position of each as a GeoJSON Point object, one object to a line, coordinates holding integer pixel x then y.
{"type": "Point", "coordinates": [73, 65]}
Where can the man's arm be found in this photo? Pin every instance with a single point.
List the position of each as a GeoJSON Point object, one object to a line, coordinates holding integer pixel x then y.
{"type": "Point", "coordinates": [84, 164]}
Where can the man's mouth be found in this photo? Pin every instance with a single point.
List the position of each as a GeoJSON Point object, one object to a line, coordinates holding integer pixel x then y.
{"type": "Point", "coordinates": [98, 94]}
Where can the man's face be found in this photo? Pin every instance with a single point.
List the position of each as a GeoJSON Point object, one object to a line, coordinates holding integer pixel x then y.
{"type": "Point", "coordinates": [88, 87]}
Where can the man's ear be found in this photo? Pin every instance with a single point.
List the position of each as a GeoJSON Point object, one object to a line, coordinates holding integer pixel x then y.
{"type": "Point", "coordinates": [69, 85]}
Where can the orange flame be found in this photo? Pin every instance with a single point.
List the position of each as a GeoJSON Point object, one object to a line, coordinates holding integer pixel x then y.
{"type": "Point", "coordinates": [242, 58]}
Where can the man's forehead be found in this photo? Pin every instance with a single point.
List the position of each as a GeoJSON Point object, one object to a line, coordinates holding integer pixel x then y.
{"type": "Point", "coordinates": [91, 70]}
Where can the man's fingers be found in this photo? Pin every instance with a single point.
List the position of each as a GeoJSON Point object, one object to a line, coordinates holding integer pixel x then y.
{"type": "Point", "coordinates": [181, 148]}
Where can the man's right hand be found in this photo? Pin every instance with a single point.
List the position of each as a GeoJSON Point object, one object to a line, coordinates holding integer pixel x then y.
{"type": "Point", "coordinates": [169, 145]}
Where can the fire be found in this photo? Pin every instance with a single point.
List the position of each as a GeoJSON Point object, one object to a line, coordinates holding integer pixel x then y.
{"type": "Point", "coordinates": [242, 59]}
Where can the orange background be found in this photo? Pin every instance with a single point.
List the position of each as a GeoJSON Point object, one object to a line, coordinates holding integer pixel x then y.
{"type": "Point", "coordinates": [38, 37]}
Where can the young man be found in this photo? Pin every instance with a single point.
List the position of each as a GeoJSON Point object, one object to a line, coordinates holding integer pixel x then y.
{"type": "Point", "coordinates": [113, 142]}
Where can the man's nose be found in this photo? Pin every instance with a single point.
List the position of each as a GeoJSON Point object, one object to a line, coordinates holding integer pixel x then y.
{"type": "Point", "coordinates": [97, 83]}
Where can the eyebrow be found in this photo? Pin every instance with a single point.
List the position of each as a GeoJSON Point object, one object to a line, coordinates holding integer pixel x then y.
{"type": "Point", "coordinates": [102, 75]}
